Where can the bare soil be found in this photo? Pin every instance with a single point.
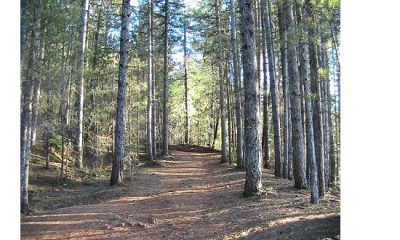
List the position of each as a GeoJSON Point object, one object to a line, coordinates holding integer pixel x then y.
{"type": "Point", "coordinates": [191, 196]}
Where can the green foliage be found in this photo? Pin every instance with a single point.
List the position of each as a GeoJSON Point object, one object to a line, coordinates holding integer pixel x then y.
{"type": "Point", "coordinates": [323, 73]}
{"type": "Point", "coordinates": [55, 141]}
{"type": "Point", "coordinates": [97, 172]}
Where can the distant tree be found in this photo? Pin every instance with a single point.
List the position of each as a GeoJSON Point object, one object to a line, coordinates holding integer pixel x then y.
{"type": "Point", "coordinates": [185, 66]}
{"type": "Point", "coordinates": [286, 100]}
{"type": "Point", "coordinates": [238, 107]}
{"type": "Point", "coordinates": [221, 82]}
{"type": "Point", "coordinates": [315, 90]}
{"type": "Point", "coordinates": [265, 137]}
{"type": "Point", "coordinates": [149, 135]}
{"type": "Point", "coordinates": [274, 91]}
{"type": "Point", "coordinates": [81, 85]}
{"type": "Point", "coordinates": [166, 83]}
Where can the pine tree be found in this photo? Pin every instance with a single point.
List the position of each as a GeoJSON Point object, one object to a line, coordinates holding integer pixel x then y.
{"type": "Point", "coordinates": [253, 182]}
{"type": "Point", "coordinates": [81, 85]}
{"type": "Point", "coordinates": [118, 160]}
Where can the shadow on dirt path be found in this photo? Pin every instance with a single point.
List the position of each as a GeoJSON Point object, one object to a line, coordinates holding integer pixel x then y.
{"type": "Point", "coordinates": [192, 197]}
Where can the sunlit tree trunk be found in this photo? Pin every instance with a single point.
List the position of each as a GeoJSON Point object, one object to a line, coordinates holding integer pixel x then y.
{"type": "Point", "coordinates": [221, 84]}
{"type": "Point", "coordinates": [324, 107]}
{"type": "Point", "coordinates": [149, 147]}
{"type": "Point", "coordinates": [315, 91]}
{"type": "Point", "coordinates": [253, 182]}
{"type": "Point", "coordinates": [299, 161]}
{"type": "Point", "coordinates": [166, 83]}
{"type": "Point", "coordinates": [265, 137]}
{"type": "Point", "coordinates": [26, 113]}
{"type": "Point", "coordinates": [187, 140]}
{"type": "Point", "coordinates": [273, 90]}
{"type": "Point", "coordinates": [81, 85]}
{"type": "Point", "coordinates": [36, 91]}
{"type": "Point", "coordinates": [284, 68]}
{"type": "Point", "coordinates": [310, 146]}
{"type": "Point", "coordinates": [238, 107]}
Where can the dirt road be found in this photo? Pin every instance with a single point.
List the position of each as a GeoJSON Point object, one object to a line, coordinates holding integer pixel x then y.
{"type": "Point", "coordinates": [192, 197]}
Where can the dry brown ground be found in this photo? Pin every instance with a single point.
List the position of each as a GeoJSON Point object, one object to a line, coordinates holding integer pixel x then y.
{"type": "Point", "coordinates": [190, 197]}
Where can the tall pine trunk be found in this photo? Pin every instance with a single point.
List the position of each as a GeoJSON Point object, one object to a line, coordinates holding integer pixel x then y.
{"type": "Point", "coordinates": [265, 137]}
{"type": "Point", "coordinates": [81, 85]}
{"type": "Point", "coordinates": [149, 145]}
{"type": "Point", "coordinates": [118, 163]}
{"type": "Point", "coordinates": [187, 140]}
{"type": "Point", "coordinates": [315, 91]}
{"type": "Point", "coordinates": [229, 115]}
{"type": "Point", "coordinates": [166, 84]}
{"type": "Point", "coordinates": [253, 182]}
{"type": "Point", "coordinates": [238, 107]}
{"type": "Point", "coordinates": [26, 113]}
{"type": "Point", "coordinates": [284, 67]}
{"type": "Point", "coordinates": [299, 161]}
{"type": "Point", "coordinates": [221, 84]}
{"type": "Point", "coordinates": [36, 93]}
{"type": "Point", "coordinates": [310, 145]}
{"type": "Point", "coordinates": [274, 91]}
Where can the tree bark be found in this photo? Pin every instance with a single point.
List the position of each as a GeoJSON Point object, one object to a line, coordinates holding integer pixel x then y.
{"type": "Point", "coordinates": [315, 91]}
{"type": "Point", "coordinates": [274, 92]}
{"type": "Point", "coordinates": [36, 91]}
{"type": "Point", "coordinates": [166, 83]}
{"type": "Point", "coordinates": [299, 163]}
{"type": "Point", "coordinates": [221, 84]}
{"type": "Point", "coordinates": [81, 85]}
{"type": "Point", "coordinates": [304, 74]}
{"type": "Point", "coordinates": [253, 182]}
{"type": "Point", "coordinates": [187, 140]}
{"type": "Point", "coordinates": [284, 67]}
{"type": "Point", "coordinates": [265, 137]}
{"type": "Point", "coordinates": [238, 107]}
{"type": "Point", "coordinates": [149, 147]}
{"type": "Point", "coordinates": [229, 115]}
{"type": "Point", "coordinates": [26, 113]}
{"type": "Point", "coordinates": [117, 176]}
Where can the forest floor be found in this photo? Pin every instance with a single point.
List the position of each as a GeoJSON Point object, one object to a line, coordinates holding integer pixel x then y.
{"type": "Point", "coordinates": [191, 196]}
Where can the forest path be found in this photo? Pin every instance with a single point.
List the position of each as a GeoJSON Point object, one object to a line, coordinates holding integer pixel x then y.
{"type": "Point", "coordinates": [192, 197]}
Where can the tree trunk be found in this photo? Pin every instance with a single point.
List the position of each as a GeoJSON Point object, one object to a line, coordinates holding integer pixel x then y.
{"type": "Point", "coordinates": [274, 92]}
{"type": "Point", "coordinates": [150, 106]}
{"type": "Point", "coordinates": [215, 130]}
{"type": "Point", "coordinates": [118, 163]}
{"type": "Point", "coordinates": [187, 140]}
{"type": "Point", "coordinates": [265, 137]}
{"type": "Point", "coordinates": [284, 67]}
{"type": "Point", "coordinates": [81, 85]}
{"type": "Point", "coordinates": [311, 159]}
{"type": "Point", "coordinates": [166, 84]}
{"type": "Point", "coordinates": [299, 163]}
{"type": "Point", "coordinates": [253, 182]}
{"type": "Point", "coordinates": [315, 91]}
{"type": "Point", "coordinates": [238, 107]}
{"type": "Point", "coordinates": [26, 113]}
{"type": "Point", "coordinates": [36, 92]}
{"type": "Point", "coordinates": [154, 112]}
{"type": "Point", "coordinates": [229, 116]}
{"type": "Point", "coordinates": [304, 81]}
{"type": "Point", "coordinates": [221, 84]}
